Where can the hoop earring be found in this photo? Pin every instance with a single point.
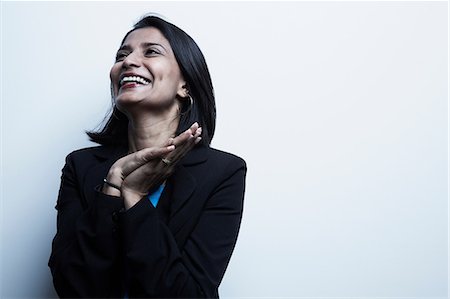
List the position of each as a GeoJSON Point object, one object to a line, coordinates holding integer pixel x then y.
{"type": "Point", "coordinates": [191, 104]}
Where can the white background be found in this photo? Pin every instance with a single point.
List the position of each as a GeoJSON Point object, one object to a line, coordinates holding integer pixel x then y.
{"type": "Point", "coordinates": [339, 109]}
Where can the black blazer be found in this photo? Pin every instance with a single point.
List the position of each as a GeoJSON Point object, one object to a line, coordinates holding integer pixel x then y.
{"type": "Point", "coordinates": [179, 249]}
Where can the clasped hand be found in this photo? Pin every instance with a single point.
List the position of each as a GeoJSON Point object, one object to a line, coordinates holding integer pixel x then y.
{"type": "Point", "coordinates": [140, 172]}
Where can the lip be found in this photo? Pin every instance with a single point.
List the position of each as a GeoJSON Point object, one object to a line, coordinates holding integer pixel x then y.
{"type": "Point", "coordinates": [129, 74]}
{"type": "Point", "coordinates": [130, 85]}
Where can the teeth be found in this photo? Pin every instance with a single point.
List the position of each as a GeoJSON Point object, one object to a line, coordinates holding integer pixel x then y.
{"type": "Point", "coordinates": [134, 79]}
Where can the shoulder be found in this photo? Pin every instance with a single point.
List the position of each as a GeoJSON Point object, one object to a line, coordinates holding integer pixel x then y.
{"type": "Point", "coordinates": [87, 151]}
{"type": "Point", "coordinates": [101, 152]}
{"type": "Point", "coordinates": [213, 162]}
{"type": "Point", "coordinates": [90, 161]}
{"type": "Point", "coordinates": [201, 154]}
{"type": "Point", "coordinates": [83, 155]}
{"type": "Point", "coordinates": [224, 164]}
{"type": "Point", "coordinates": [220, 157]}
{"type": "Point", "coordinates": [86, 158]}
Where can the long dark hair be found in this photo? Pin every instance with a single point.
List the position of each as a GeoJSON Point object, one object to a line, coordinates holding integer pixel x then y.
{"type": "Point", "coordinates": [198, 80]}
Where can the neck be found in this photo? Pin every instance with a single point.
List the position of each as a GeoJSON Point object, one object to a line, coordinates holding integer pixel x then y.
{"type": "Point", "coordinates": [151, 130]}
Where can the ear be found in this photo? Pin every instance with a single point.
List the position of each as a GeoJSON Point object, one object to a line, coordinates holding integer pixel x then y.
{"type": "Point", "coordinates": [183, 91]}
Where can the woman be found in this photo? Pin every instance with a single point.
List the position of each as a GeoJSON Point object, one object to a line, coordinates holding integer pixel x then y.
{"type": "Point", "coordinates": [153, 211]}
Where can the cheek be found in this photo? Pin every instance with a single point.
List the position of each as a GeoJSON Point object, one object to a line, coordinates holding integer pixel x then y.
{"type": "Point", "coordinates": [174, 75]}
{"type": "Point", "coordinates": [114, 74]}
{"type": "Point", "coordinates": [114, 77]}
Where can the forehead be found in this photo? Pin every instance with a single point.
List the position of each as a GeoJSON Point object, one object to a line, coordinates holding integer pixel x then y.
{"type": "Point", "coordinates": [146, 35]}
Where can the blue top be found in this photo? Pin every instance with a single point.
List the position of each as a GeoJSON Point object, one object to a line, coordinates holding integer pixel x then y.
{"type": "Point", "coordinates": [154, 197]}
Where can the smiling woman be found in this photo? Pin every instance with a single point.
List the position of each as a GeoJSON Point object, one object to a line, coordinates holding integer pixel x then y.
{"type": "Point", "coordinates": [142, 215]}
{"type": "Point", "coordinates": [147, 70]}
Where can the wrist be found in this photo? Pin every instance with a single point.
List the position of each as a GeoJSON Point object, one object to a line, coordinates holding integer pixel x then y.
{"type": "Point", "coordinates": [112, 185]}
{"type": "Point", "coordinates": [108, 190]}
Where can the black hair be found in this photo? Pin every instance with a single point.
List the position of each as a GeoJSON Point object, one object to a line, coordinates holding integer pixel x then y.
{"type": "Point", "coordinates": [198, 81]}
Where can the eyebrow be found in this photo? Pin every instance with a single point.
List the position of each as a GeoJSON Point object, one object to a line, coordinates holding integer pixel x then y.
{"type": "Point", "coordinates": [143, 45]}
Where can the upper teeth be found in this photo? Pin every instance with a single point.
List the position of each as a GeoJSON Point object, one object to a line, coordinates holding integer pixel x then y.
{"type": "Point", "coordinates": [134, 79]}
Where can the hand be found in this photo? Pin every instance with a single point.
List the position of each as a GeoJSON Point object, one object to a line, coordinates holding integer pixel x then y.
{"type": "Point", "coordinates": [142, 171]}
{"type": "Point", "coordinates": [151, 174]}
{"type": "Point", "coordinates": [183, 144]}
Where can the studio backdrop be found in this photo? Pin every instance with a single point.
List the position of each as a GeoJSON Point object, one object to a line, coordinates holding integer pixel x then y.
{"type": "Point", "coordinates": [340, 110]}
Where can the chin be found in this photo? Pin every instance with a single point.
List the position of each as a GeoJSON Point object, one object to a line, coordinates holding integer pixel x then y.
{"type": "Point", "coordinates": [127, 99]}
{"type": "Point", "coordinates": [126, 104]}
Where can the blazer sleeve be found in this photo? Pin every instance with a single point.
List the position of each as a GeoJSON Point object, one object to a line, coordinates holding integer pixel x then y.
{"type": "Point", "coordinates": [159, 268]}
{"type": "Point", "coordinates": [85, 248]}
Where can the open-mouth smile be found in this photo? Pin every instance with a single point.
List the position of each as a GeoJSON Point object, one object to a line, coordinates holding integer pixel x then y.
{"type": "Point", "coordinates": [133, 80]}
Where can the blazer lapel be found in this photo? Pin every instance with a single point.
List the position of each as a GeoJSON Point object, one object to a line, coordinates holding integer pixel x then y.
{"type": "Point", "coordinates": [183, 184]}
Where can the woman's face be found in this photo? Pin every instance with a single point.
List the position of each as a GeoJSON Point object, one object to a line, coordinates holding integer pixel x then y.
{"type": "Point", "coordinates": [146, 73]}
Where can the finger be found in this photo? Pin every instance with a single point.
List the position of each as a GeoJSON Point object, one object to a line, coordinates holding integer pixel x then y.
{"type": "Point", "coordinates": [194, 127]}
{"type": "Point", "coordinates": [156, 171]}
{"type": "Point", "coordinates": [184, 143]}
{"type": "Point", "coordinates": [182, 150]}
{"type": "Point", "coordinates": [170, 141]}
{"type": "Point", "coordinates": [182, 138]}
{"type": "Point", "coordinates": [181, 146]}
{"type": "Point", "coordinates": [144, 156]}
{"type": "Point", "coordinates": [185, 135]}
{"type": "Point", "coordinates": [192, 140]}
{"type": "Point", "coordinates": [193, 131]}
{"type": "Point", "coordinates": [198, 132]}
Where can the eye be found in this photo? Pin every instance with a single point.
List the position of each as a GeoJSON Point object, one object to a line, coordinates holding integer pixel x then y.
{"type": "Point", "coordinates": [121, 55]}
{"type": "Point", "coordinates": [151, 52]}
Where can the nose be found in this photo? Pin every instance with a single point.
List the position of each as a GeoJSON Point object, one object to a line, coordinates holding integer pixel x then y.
{"type": "Point", "coordinates": [131, 60]}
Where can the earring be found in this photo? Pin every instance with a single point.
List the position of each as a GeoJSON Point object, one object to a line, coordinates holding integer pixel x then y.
{"type": "Point", "coordinates": [191, 104]}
